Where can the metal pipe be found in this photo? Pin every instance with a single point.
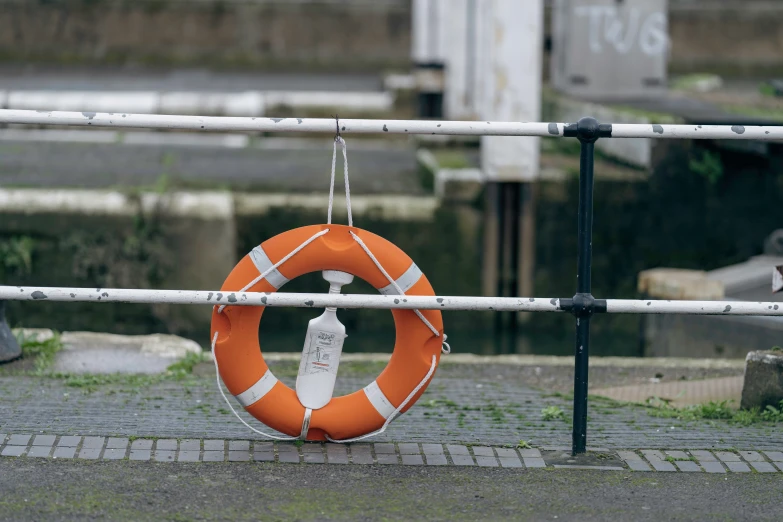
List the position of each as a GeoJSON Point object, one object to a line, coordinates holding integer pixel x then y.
{"type": "Point", "coordinates": [378, 126]}
{"type": "Point", "coordinates": [451, 303]}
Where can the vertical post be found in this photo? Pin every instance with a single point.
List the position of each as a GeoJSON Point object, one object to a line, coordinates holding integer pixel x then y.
{"type": "Point", "coordinates": [587, 131]}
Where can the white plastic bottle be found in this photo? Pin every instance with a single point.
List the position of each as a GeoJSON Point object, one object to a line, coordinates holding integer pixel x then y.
{"type": "Point", "coordinates": [322, 348]}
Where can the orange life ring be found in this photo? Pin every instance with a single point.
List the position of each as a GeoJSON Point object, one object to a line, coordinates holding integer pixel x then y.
{"type": "Point", "coordinates": [248, 377]}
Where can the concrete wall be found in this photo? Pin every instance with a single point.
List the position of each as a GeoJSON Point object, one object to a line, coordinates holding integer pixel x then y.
{"type": "Point", "coordinates": [722, 35]}
{"type": "Point", "coordinates": [346, 34]}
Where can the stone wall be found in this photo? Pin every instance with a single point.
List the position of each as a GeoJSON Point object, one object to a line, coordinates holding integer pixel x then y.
{"type": "Point", "coordinates": [349, 34]}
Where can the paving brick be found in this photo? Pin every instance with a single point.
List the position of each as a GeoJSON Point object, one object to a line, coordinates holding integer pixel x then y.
{"type": "Point", "coordinates": [510, 462]}
{"type": "Point", "coordinates": [337, 454]}
{"type": "Point", "coordinates": [534, 462]}
{"type": "Point", "coordinates": [117, 443]}
{"type": "Point", "coordinates": [712, 466]}
{"type": "Point", "coordinates": [311, 457]}
{"type": "Point", "coordinates": [432, 449]}
{"type": "Point", "coordinates": [628, 455]}
{"type": "Point", "coordinates": [190, 445]}
{"type": "Point", "coordinates": [267, 447]}
{"type": "Point", "coordinates": [412, 460]}
{"type": "Point", "coordinates": [727, 456]}
{"type": "Point", "coordinates": [44, 440]}
{"type": "Point", "coordinates": [751, 456]}
{"type": "Point", "coordinates": [93, 442]}
{"type": "Point", "coordinates": [462, 460]}
{"type": "Point", "coordinates": [166, 445]}
{"type": "Point", "coordinates": [737, 467]}
{"type": "Point", "coordinates": [162, 455]}
{"type": "Point", "coordinates": [763, 467]}
{"type": "Point", "coordinates": [313, 448]}
{"type": "Point", "coordinates": [264, 456]}
{"type": "Point", "coordinates": [687, 465]}
{"type": "Point", "coordinates": [409, 449]}
{"type": "Point", "coordinates": [703, 456]}
{"type": "Point", "coordinates": [490, 462]}
{"type": "Point", "coordinates": [39, 451]}
{"type": "Point", "coordinates": [239, 445]}
{"type": "Point", "coordinates": [530, 452]}
{"type": "Point", "coordinates": [506, 452]}
{"type": "Point", "coordinates": [90, 453]}
{"type": "Point", "coordinates": [141, 444]}
{"type": "Point", "coordinates": [188, 455]}
{"type": "Point", "coordinates": [2, 438]}
{"type": "Point", "coordinates": [661, 465]}
{"type": "Point", "coordinates": [483, 451]}
{"type": "Point", "coordinates": [386, 458]}
{"type": "Point", "coordinates": [655, 454]}
{"type": "Point", "coordinates": [238, 456]}
{"type": "Point", "coordinates": [140, 454]}
{"type": "Point", "coordinates": [13, 451]}
{"type": "Point", "coordinates": [678, 455]}
{"type": "Point", "coordinates": [213, 456]}
{"type": "Point", "coordinates": [593, 468]}
{"type": "Point", "coordinates": [114, 453]}
{"type": "Point", "coordinates": [637, 465]}
{"type": "Point", "coordinates": [779, 465]}
{"type": "Point", "coordinates": [775, 456]}
{"type": "Point", "coordinates": [457, 450]}
{"type": "Point", "coordinates": [360, 454]}
{"type": "Point", "coordinates": [288, 456]}
{"type": "Point", "coordinates": [19, 440]}
{"type": "Point", "coordinates": [435, 460]}
{"type": "Point", "coordinates": [214, 445]}
{"type": "Point", "coordinates": [68, 441]}
{"type": "Point", "coordinates": [66, 452]}
{"type": "Point", "coordinates": [384, 448]}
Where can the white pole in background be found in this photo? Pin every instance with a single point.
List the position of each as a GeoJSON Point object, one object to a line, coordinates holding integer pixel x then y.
{"type": "Point", "coordinates": [428, 53]}
{"type": "Point", "coordinates": [511, 48]}
{"type": "Point", "coordinates": [462, 55]}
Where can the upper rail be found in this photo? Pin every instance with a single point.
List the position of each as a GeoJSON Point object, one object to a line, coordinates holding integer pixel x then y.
{"type": "Point", "coordinates": [364, 126]}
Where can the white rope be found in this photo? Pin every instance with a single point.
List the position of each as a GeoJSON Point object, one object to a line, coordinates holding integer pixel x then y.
{"type": "Point", "coordinates": [274, 267]}
{"type": "Point", "coordinates": [397, 411]}
{"type": "Point", "coordinates": [220, 389]}
{"type": "Point", "coordinates": [393, 282]}
{"type": "Point", "coordinates": [341, 141]}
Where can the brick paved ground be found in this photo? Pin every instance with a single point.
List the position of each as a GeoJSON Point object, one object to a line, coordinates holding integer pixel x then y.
{"type": "Point", "coordinates": [466, 404]}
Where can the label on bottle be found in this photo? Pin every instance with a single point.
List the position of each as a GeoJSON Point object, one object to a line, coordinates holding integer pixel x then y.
{"type": "Point", "coordinates": [321, 352]}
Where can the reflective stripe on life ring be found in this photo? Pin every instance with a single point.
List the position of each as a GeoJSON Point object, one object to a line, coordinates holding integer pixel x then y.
{"type": "Point", "coordinates": [242, 365]}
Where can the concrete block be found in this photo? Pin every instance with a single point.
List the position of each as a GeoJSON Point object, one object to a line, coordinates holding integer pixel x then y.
{"type": "Point", "coordinates": [140, 454]}
{"type": "Point", "coordinates": [763, 467]}
{"type": "Point", "coordinates": [238, 456]}
{"type": "Point", "coordinates": [68, 441]}
{"type": "Point", "coordinates": [166, 445]}
{"type": "Point", "coordinates": [190, 445]}
{"type": "Point", "coordinates": [19, 440]}
{"type": "Point", "coordinates": [412, 460]}
{"type": "Point", "coordinates": [93, 442]}
{"type": "Point", "coordinates": [117, 443]}
{"type": "Point", "coordinates": [534, 462]}
{"type": "Point", "coordinates": [386, 458]}
{"type": "Point", "coordinates": [164, 455]}
{"type": "Point", "coordinates": [141, 444]}
{"type": "Point", "coordinates": [383, 448]}
{"type": "Point", "coordinates": [114, 453]}
{"type": "Point", "coordinates": [264, 456]}
{"type": "Point", "coordinates": [409, 449]}
{"type": "Point", "coordinates": [435, 460]}
{"type": "Point", "coordinates": [239, 445]}
{"type": "Point", "coordinates": [13, 451]}
{"type": "Point", "coordinates": [457, 450]}
{"type": "Point", "coordinates": [213, 456]}
{"type": "Point", "coordinates": [214, 445]}
{"type": "Point", "coordinates": [39, 451]}
{"type": "Point", "coordinates": [763, 380]}
{"type": "Point", "coordinates": [64, 452]}
{"type": "Point", "coordinates": [363, 455]}
{"type": "Point", "coordinates": [676, 283]}
{"type": "Point", "coordinates": [188, 456]}
{"type": "Point", "coordinates": [462, 460]}
{"type": "Point", "coordinates": [489, 462]}
{"type": "Point", "coordinates": [43, 440]}
{"type": "Point", "coordinates": [483, 451]}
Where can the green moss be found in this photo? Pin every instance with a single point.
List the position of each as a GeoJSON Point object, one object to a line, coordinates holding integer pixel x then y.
{"type": "Point", "coordinates": [42, 351]}
{"type": "Point", "coordinates": [551, 413]}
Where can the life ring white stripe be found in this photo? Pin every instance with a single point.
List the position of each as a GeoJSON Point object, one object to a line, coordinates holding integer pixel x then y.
{"type": "Point", "coordinates": [379, 401]}
{"type": "Point", "coordinates": [263, 263]}
{"type": "Point", "coordinates": [405, 281]}
{"type": "Point", "coordinates": [256, 392]}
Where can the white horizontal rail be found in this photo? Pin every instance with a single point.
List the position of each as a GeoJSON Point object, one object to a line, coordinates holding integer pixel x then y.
{"type": "Point", "coordinates": [360, 126]}
{"type": "Point", "coordinates": [284, 299]}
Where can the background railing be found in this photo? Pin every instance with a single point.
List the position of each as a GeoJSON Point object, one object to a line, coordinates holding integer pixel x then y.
{"type": "Point", "coordinates": [582, 305]}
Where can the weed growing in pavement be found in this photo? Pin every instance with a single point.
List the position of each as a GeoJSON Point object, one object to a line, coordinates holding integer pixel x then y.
{"type": "Point", "coordinates": [716, 410]}
{"type": "Point", "coordinates": [552, 413]}
{"type": "Point", "coordinates": [42, 351]}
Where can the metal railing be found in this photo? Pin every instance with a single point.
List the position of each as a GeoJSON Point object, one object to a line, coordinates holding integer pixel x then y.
{"type": "Point", "coordinates": [582, 305]}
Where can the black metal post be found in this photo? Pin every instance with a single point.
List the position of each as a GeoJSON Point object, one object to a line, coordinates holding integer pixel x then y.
{"type": "Point", "coordinates": [587, 131]}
